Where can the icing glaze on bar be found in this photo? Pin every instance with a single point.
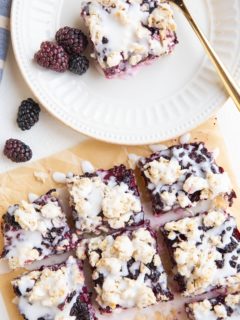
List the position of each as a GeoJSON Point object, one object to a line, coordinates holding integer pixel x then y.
{"type": "Point", "coordinates": [127, 270]}
{"type": "Point", "coordinates": [126, 33]}
{"type": "Point", "coordinates": [183, 176]}
{"type": "Point", "coordinates": [205, 251]}
{"type": "Point", "coordinates": [222, 307]}
{"type": "Point", "coordinates": [33, 231]}
{"type": "Point", "coordinates": [105, 200]}
{"type": "Point", "coordinates": [54, 293]}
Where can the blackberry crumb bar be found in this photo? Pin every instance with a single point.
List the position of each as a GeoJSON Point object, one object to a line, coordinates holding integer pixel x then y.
{"type": "Point", "coordinates": [34, 231]}
{"type": "Point", "coordinates": [205, 250]}
{"type": "Point", "coordinates": [127, 33]}
{"type": "Point", "coordinates": [127, 270]}
{"type": "Point", "coordinates": [56, 292]}
{"type": "Point", "coordinates": [219, 308]}
{"type": "Point", "coordinates": [183, 176]}
{"type": "Point", "coordinates": [105, 200]}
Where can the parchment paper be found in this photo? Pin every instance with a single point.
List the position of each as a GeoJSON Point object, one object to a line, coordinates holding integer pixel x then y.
{"type": "Point", "coordinates": [15, 186]}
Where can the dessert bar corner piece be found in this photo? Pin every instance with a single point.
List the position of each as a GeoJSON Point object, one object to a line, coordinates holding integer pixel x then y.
{"type": "Point", "coordinates": [106, 200]}
{"type": "Point", "coordinates": [126, 34]}
{"type": "Point", "coordinates": [34, 231]}
{"type": "Point", "coordinates": [55, 292]}
{"type": "Point", "coordinates": [127, 269]}
{"type": "Point", "coordinates": [205, 251]}
{"type": "Point", "coordinates": [221, 307]}
{"type": "Point", "coordinates": [184, 176]}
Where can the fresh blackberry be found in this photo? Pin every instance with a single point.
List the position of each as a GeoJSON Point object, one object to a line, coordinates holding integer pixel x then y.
{"type": "Point", "coordinates": [17, 151]}
{"type": "Point", "coordinates": [28, 114]}
{"type": "Point", "coordinates": [78, 64]}
{"type": "Point", "coordinates": [72, 40]}
{"type": "Point", "coordinates": [52, 56]}
{"type": "Point", "coordinates": [80, 311]}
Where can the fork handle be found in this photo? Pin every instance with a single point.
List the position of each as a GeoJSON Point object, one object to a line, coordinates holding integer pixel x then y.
{"type": "Point", "coordinates": [227, 80]}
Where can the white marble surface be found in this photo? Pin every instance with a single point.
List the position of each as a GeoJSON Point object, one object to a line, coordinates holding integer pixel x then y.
{"type": "Point", "coordinates": [50, 136]}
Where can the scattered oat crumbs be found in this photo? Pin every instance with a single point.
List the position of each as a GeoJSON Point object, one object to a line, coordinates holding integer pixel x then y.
{"type": "Point", "coordinates": [40, 176]}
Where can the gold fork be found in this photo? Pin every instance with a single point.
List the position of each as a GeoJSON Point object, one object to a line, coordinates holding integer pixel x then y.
{"type": "Point", "coordinates": [227, 80]}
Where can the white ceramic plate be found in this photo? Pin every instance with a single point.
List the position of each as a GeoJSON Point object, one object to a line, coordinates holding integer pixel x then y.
{"type": "Point", "coordinates": [162, 101]}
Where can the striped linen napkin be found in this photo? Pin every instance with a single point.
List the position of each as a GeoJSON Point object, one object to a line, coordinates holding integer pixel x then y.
{"type": "Point", "coordinates": [5, 7]}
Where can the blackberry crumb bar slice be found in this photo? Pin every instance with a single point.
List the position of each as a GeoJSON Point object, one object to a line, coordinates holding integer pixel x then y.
{"type": "Point", "coordinates": [56, 292]}
{"type": "Point", "coordinates": [205, 251]}
{"type": "Point", "coordinates": [127, 269]}
{"type": "Point", "coordinates": [34, 231]}
{"type": "Point", "coordinates": [221, 307]}
{"type": "Point", "coordinates": [126, 34]}
{"type": "Point", "coordinates": [106, 200]}
{"type": "Point", "coordinates": [183, 176]}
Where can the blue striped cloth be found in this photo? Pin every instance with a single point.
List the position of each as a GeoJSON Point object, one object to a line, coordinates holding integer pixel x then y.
{"type": "Point", "coordinates": [5, 7]}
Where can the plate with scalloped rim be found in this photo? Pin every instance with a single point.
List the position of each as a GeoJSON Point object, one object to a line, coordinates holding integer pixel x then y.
{"type": "Point", "coordinates": [163, 100]}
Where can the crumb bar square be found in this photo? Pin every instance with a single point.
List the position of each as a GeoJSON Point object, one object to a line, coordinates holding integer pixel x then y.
{"type": "Point", "coordinates": [127, 269]}
{"type": "Point", "coordinates": [56, 292]}
{"type": "Point", "coordinates": [183, 176]}
{"type": "Point", "coordinates": [34, 231]}
{"type": "Point", "coordinates": [221, 307]}
{"type": "Point", "coordinates": [128, 33]}
{"type": "Point", "coordinates": [205, 251]}
{"type": "Point", "coordinates": [106, 200]}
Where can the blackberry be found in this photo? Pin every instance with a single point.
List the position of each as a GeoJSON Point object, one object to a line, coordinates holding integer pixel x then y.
{"type": "Point", "coordinates": [28, 114]}
{"type": "Point", "coordinates": [78, 64]}
{"type": "Point", "coordinates": [17, 151]}
{"type": "Point", "coordinates": [52, 56]}
{"type": "Point", "coordinates": [72, 40]}
{"type": "Point", "coordinates": [80, 311]}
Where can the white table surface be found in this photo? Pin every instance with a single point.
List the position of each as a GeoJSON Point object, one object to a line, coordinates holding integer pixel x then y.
{"type": "Point", "coordinates": [49, 135]}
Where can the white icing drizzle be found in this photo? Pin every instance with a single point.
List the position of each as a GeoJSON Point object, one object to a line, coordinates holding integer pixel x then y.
{"type": "Point", "coordinates": [206, 235]}
{"type": "Point", "coordinates": [133, 160]}
{"type": "Point", "coordinates": [32, 197]}
{"type": "Point", "coordinates": [27, 244]}
{"type": "Point", "coordinates": [119, 30]}
{"type": "Point", "coordinates": [43, 291]}
{"type": "Point", "coordinates": [116, 252]}
{"type": "Point", "coordinates": [87, 166]}
{"type": "Point", "coordinates": [211, 310]}
{"type": "Point", "coordinates": [185, 138]}
{"type": "Point", "coordinates": [176, 176]}
{"type": "Point", "coordinates": [157, 147]}
{"type": "Point", "coordinates": [59, 177]}
{"type": "Point", "coordinates": [92, 196]}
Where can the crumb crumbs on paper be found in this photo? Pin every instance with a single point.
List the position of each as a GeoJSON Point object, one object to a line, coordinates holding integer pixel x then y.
{"type": "Point", "coordinates": [185, 138]}
{"type": "Point", "coordinates": [32, 197]}
{"type": "Point", "coordinates": [133, 160]}
{"type": "Point", "coordinates": [87, 166]}
{"type": "Point", "coordinates": [40, 176]}
{"type": "Point", "coordinates": [59, 177]}
{"type": "Point", "coordinates": [157, 147]}
{"type": "Point", "coordinates": [173, 315]}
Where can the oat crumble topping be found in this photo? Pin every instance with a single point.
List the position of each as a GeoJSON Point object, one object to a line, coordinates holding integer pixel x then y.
{"type": "Point", "coordinates": [124, 33]}
{"type": "Point", "coordinates": [206, 250]}
{"type": "Point", "coordinates": [183, 176]}
{"type": "Point", "coordinates": [127, 270]}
